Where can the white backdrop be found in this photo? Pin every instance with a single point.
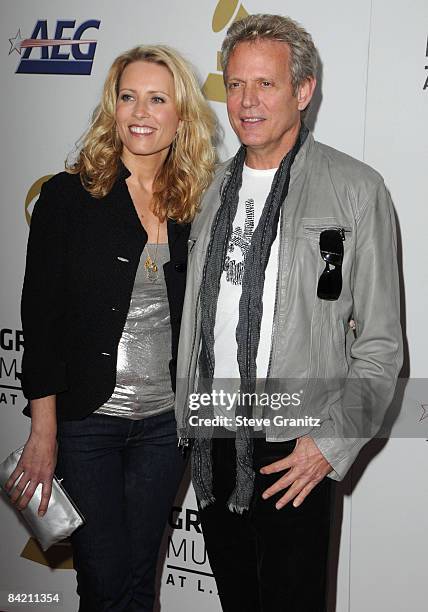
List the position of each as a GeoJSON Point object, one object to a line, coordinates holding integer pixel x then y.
{"type": "Point", "coordinates": [371, 103]}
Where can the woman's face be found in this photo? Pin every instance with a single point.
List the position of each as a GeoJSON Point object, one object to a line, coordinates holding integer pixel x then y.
{"type": "Point", "coordinates": [146, 116]}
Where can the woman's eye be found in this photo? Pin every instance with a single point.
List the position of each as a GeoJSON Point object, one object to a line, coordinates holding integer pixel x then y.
{"type": "Point", "coordinates": [126, 97]}
{"type": "Point", "coordinates": [157, 100]}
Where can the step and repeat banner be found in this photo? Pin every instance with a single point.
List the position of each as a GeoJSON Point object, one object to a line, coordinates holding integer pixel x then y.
{"type": "Point", "coordinates": [372, 103]}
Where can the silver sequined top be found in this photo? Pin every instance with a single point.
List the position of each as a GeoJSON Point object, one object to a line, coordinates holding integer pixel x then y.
{"type": "Point", "coordinates": [143, 383]}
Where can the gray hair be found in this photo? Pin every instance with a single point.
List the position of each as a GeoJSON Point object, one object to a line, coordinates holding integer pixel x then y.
{"type": "Point", "coordinates": [303, 54]}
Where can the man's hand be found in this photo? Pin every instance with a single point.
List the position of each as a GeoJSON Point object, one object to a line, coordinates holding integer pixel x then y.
{"type": "Point", "coordinates": [306, 466]}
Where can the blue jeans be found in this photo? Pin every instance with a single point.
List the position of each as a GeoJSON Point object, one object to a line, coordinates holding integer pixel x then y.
{"type": "Point", "coordinates": [123, 475]}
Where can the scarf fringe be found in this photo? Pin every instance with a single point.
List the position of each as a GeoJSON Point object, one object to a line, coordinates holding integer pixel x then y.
{"type": "Point", "coordinates": [236, 508]}
{"type": "Point", "coordinates": [207, 501]}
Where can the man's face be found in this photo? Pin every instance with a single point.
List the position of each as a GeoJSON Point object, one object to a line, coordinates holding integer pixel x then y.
{"type": "Point", "coordinates": [262, 108]}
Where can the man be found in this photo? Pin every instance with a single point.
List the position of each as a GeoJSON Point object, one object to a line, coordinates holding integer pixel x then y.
{"type": "Point", "coordinates": [292, 278]}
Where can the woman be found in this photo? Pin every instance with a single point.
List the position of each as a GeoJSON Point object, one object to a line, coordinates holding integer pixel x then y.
{"type": "Point", "coordinates": [101, 310]}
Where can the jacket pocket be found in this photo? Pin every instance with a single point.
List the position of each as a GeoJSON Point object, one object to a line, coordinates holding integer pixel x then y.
{"type": "Point", "coordinates": [312, 231]}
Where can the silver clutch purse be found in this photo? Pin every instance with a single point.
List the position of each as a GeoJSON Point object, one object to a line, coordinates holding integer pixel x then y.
{"type": "Point", "coordinates": [62, 516]}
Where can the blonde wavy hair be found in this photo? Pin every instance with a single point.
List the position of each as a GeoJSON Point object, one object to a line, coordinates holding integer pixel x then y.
{"type": "Point", "coordinates": [189, 166]}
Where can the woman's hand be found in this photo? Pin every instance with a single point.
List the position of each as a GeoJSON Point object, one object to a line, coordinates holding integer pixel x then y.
{"type": "Point", "coordinates": [38, 459]}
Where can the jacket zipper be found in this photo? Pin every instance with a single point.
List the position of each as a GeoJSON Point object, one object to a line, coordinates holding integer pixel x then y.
{"type": "Point", "coordinates": [184, 441]}
{"type": "Point", "coordinates": [316, 228]}
{"type": "Point", "coordinates": [191, 243]}
{"type": "Point", "coordinates": [276, 294]}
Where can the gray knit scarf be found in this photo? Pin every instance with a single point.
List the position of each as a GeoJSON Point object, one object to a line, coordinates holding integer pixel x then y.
{"type": "Point", "coordinates": [248, 328]}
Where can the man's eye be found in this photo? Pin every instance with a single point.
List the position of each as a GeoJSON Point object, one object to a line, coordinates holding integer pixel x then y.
{"type": "Point", "coordinates": [266, 83]}
{"type": "Point", "coordinates": [233, 85]}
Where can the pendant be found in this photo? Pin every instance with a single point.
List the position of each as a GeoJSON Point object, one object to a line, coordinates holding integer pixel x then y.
{"type": "Point", "coordinates": [151, 269]}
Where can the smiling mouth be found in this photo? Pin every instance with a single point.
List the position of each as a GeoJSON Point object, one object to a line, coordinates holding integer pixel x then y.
{"type": "Point", "coordinates": [141, 130]}
{"type": "Point", "coordinates": [251, 120]}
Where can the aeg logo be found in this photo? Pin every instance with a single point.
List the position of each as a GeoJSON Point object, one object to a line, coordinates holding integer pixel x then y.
{"type": "Point", "coordinates": [51, 59]}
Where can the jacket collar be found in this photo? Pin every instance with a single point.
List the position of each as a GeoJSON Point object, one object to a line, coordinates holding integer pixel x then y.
{"type": "Point", "coordinates": [122, 171]}
{"type": "Point", "coordinates": [224, 169]}
{"type": "Point", "coordinates": [301, 158]}
{"type": "Point", "coordinates": [174, 229]}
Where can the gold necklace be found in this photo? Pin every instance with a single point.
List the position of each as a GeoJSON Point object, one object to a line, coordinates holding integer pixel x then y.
{"type": "Point", "coordinates": [150, 264]}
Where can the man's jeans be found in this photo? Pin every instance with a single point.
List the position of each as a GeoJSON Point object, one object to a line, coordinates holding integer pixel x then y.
{"type": "Point", "coordinates": [266, 560]}
{"type": "Point", "coordinates": [123, 475]}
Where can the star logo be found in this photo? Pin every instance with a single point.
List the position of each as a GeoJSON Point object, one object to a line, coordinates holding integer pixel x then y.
{"type": "Point", "coordinates": [15, 43]}
{"type": "Point", "coordinates": [424, 414]}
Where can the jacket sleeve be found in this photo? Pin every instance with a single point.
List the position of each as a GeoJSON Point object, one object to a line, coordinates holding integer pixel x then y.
{"type": "Point", "coordinates": [377, 352]}
{"type": "Point", "coordinates": [44, 296]}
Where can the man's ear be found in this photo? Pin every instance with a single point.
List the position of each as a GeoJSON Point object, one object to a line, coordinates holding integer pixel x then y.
{"type": "Point", "coordinates": [305, 92]}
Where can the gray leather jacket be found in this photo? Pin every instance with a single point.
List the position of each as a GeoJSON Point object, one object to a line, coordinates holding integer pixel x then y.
{"type": "Point", "coordinates": [311, 338]}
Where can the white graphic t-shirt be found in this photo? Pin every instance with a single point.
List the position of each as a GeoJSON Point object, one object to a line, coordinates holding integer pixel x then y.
{"type": "Point", "coordinates": [255, 188]}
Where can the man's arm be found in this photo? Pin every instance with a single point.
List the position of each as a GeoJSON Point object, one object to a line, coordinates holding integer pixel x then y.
{"type": "Point", "coordinates": [376, 358]}
{"type": "Point", "coordinates": [377, 351]}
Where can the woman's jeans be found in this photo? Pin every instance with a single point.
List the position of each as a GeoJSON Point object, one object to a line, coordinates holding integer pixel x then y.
{"type": "Point", "coordinates": [123, 475]}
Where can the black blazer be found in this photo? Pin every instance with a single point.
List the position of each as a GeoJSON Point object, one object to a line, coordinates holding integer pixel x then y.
{"type": "Point", "coordinates": [82, 257]}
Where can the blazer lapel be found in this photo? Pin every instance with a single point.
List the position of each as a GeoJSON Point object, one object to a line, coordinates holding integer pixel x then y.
{"type": "Point", "coordinates": [177, 238]}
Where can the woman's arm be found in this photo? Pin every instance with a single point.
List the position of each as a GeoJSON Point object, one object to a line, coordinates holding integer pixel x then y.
{"type": "Point", "coordinates": [44, 294]}
{"type": "Point", "coordinates": [43, 368]}
{"type": "Point", "coordinates": [38, 459]}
